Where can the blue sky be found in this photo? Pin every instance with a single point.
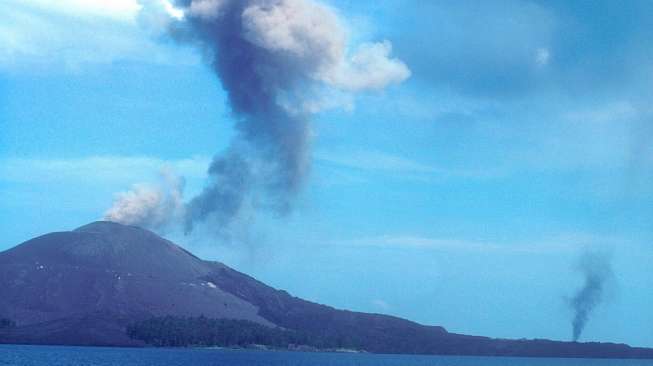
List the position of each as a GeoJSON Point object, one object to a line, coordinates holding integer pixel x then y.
{"type": "Point", "coordinates": [461, 197]}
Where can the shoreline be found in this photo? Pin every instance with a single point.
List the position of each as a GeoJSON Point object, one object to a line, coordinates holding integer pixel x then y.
{"type": "Point", "coordinates": [317, 351]}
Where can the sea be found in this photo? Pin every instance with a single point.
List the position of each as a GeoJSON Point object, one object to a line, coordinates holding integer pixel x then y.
{"type": "Point", "coordinates": [109, 356]}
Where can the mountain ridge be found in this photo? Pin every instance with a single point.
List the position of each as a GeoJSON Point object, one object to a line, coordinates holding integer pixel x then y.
{"type": "Point", "coordinates": [86, 286]}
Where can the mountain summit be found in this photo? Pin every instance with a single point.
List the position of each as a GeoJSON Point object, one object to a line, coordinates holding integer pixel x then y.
{"type": "Point", "coordinates": [86, 286]}
{"type": "Point", "coordinates": [102, 276]}
{"type": "Point", "coordinates": [112, 247]}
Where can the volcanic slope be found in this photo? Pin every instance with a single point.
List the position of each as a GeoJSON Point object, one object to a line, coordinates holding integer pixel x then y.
{"type": "Point", "coordinates": [86, 286]}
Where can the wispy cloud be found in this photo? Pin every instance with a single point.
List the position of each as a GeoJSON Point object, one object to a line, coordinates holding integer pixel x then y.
{"type": "Point", "coordinates": [417, 242]}
{"type": "Point", "coordinates": [67, 34]}
{"type": "Point", "coordinates": [106, 169]}
{"type": "Point", "coordinates": [376, 160]}
{"type": "Point", "coordinates": [615, 112]}
{"type": "Point", "coordinates": [590, 136]}
{"type": "Point", "coordinates": [565, 242]}
{"type": "Point", "coordinates": [542, 56]}
{"type": "Point", "coordinates": [371, 161]}
{"type": "Point", "coordinates": [124, 10]}
{"type": "Point", "coordinates": [382, 305]}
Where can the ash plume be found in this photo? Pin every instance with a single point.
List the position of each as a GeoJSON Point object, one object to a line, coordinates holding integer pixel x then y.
{"type": "Point", "coordinates": [275, 59]}
{"type": "Point", "coordinates": [152, 206]}
{"type": "Point", "coordinates": [596, 269]}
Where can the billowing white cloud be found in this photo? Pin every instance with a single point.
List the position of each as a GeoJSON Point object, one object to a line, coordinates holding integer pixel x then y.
{"type": "Point", "coordinates": [313, 34]}
{"type": "Point", "coordinates": [309, 31]}
{"type": "Point", "coordinates": [369, 68]}
{"type": "Point", "coordinates": [150, 206]}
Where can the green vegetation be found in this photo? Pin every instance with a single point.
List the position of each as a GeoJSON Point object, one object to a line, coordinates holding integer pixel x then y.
{"type": "Point", "coordinates": [172, 331]}
{"type": "Point", "coordinates": [201, 331]}
{"type": "Point", "coordinates": [7, 323]}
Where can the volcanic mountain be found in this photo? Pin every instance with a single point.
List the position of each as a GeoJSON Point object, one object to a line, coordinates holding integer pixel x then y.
{"type": "Point", "coordinates": [86, 286]}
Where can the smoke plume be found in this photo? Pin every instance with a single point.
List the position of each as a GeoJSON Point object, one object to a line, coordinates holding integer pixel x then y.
{"type": "Point", "coordinates": [279, 61]}
{"type": "Point", "coordinates": [149, 206]}
{"type": "Point", "coordinates": [596, 269]}
{"type": "Point", "coordinates": [275, 59]}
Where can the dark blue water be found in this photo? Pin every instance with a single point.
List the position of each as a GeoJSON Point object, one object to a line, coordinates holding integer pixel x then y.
{"type": "Point", "coordinates": [92, 356]}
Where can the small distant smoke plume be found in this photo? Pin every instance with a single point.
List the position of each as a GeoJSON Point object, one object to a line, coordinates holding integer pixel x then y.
{"type": "Point", "coordinates": [275, 59]}
{"type": "Point", "coordinates": [596, 269]}
{"type": "Point", "coordinates": [149, 206]}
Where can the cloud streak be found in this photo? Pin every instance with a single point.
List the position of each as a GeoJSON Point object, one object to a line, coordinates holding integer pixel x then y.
{"type": "Point", "coordinates": [562, 243]}
{"type": "Point", "coordinates": [70, 34]}
{"type": "Point", "coordinates": [95, 169]}
{"type": "Point", "coordinates": [124, 10]}
{"type": "Point", "coordinates": [371, 161]}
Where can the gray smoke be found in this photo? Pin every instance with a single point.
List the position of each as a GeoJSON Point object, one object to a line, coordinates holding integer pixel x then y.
{"type": "Point", "coordinates": [596, 269]}
{"type": "Point", "coordinates": [152, 206]}
{"type": "Point", "coordinates": [275, 59]}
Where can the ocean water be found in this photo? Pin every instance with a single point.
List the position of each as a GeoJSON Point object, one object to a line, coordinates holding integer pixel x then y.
{"type": "Point", "coordinates": [97, 356]}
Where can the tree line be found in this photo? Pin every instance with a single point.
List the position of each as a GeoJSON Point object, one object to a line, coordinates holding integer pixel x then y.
{"type": "Point", "coordinates": [169, 331]}
{"type": "Point", "coordinates": [7, 323]}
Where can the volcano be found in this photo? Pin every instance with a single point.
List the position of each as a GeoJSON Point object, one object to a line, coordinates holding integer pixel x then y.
{"type": "Point", "coordinates": [86, 286]}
